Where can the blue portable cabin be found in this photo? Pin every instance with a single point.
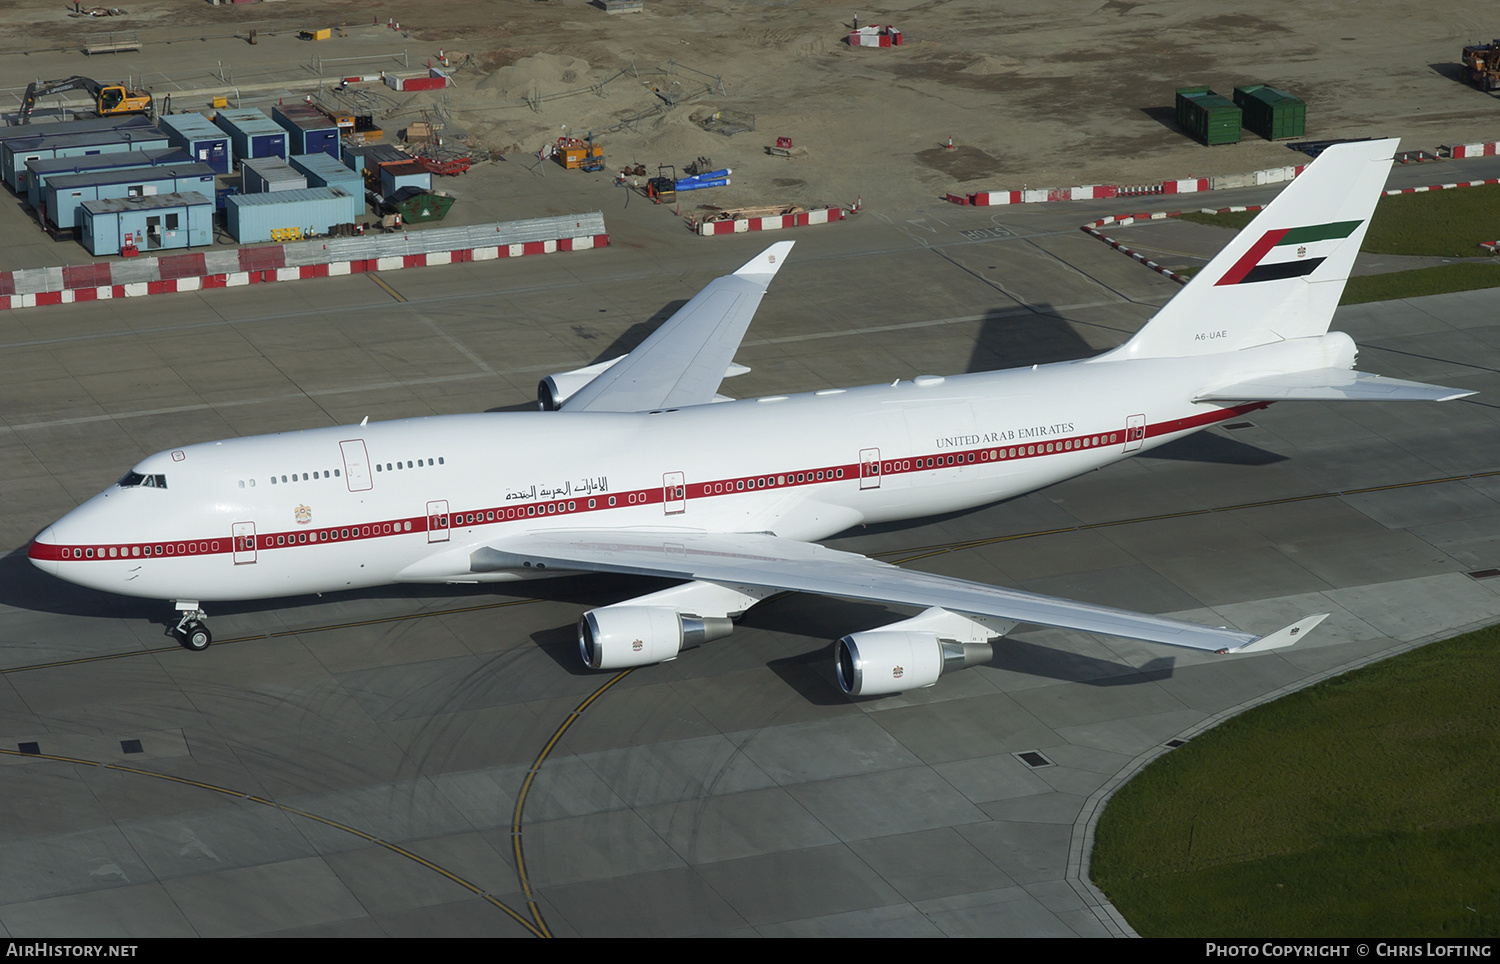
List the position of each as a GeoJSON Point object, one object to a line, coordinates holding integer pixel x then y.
{"type": "Point", "coordinates": [127, 122]}
{"type": "Point", "coordinates": [252, 217]}
{"type": "Point", "coordinates": [309, 130]}
{"type": "Point", "coordinates": [198, 136]}
{"type": "Point", "coordinates": [16, 152]}
{"type": "Point", "coordinates": [323, 171]}
{"type": "Point", "coordinates": [38, 172]}
{"type": "Point", "coordinates": [152, 223]}
{"type": "Point", "coordinates": [252, 133]}
{"type": "Point", "coordinates": [263, 175]}
{"type": "Point", "coordinates": [65, 194]}
{"type": "Point", "coordinates": [362, 157]}
{"type": "Point", "coordinates": [393, 177]}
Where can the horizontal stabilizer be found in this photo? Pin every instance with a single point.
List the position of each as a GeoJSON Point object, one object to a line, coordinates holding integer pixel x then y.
{"type": "Point", "coordinates": [1331, 385]}
{"type": "Point", "coordinates": [1282, 638]}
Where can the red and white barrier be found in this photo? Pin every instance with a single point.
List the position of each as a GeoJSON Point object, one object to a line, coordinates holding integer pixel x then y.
{"type": "Point", "coordinates": [259, 265]}
{"type": "Point", "coordinates": [1136, 255]}
{"type": "Point", "coordinates": [773, 223]}
{"type": "Point", "coordinates": [1086, 192]}
{"type": "Point", "coordinates": [1456, 151]}
{"type": "Point", "coordinates": [1441, 187]}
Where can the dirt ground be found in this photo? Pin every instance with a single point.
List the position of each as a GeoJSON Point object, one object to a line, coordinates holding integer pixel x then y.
{"type": "Point", "coordinates": [1033, 93]}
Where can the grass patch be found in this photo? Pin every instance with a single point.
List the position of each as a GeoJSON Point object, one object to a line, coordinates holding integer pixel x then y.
{"type": "Point", "coordinates": [1368, 805]}
{"type": "Point", "coordinates": [1232, 219]}
{"type": "Point", "coordinates": [1422, 281]}
{"type": "Point", "coordinates": [1442, 224]}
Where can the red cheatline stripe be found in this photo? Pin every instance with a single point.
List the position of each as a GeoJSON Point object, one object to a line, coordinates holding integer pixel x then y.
{"type": "Point", "coordinates": [654, 495]}
{"type": "Point", "coordinates": [1252, 257]}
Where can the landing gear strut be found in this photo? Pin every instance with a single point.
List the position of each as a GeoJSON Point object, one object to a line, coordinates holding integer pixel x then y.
{"type": "Point", "coordinates": [190, 631]}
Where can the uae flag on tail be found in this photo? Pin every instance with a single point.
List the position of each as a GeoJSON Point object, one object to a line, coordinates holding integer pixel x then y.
{"type": "Point", "coordinates": [1288, 253]}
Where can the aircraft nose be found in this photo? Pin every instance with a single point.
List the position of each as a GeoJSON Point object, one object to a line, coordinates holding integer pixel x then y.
{"type": "Point", "coordinates": [44, 551]}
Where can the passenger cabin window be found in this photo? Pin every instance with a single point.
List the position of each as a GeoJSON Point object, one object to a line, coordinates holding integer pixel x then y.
{"type": "Point", "coordinates": [132, 480]}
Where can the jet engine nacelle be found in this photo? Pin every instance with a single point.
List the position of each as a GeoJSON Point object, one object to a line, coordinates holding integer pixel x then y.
{"type": "Point", "coordinates": [910, 654]}
{"type": "Point", "coordinates": [554, 390]}
{"type": "Point", "coordinates": [619, 636]}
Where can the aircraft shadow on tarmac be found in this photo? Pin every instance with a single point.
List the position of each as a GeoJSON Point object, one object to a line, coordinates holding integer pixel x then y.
{"type": "Point", "coordinates": [1216, 448]}
{"type": "Point", "coordinates": [624, 343]}
{"type": "Point", "coordinates": [1012, 339]}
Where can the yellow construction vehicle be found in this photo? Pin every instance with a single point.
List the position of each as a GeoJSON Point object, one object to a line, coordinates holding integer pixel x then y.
{"type": "Point", "coordinates": [1482, 65]}
{"type": "Point", "coordinates": [109, 99]}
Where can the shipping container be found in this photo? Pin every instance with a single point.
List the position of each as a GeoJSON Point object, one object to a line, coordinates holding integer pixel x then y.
{"type": "Point", "coordinates": [263, 175]}
{"type": "Point", "coordinates": [65, 194]}
{"type": "Point", "coordinates": [1208, 117]}
{"type": "Point", "coordinates": [323, 171]}
{"type": "Point", "coordinates": [199, 136]}
{"type": "Point", "coordinates": [1271, 113]}
{"type": "Point", "coordinates": [38, 172]}
{"type": "Point", "coordinates": [14, 153]}
{"type": "Point", "coordinates": [435, 80]}
{"type": "Point", "coordinates": [252, 133]}
{"type": "Point", "coordinates": [155, 223]}
{"type": "Point", "coordinates": [252, 217]}
{"type": "Point", "coordinates": [309, 130]}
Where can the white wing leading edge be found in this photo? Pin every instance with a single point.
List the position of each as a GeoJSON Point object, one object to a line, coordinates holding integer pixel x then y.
{"type": "Point", "coordinates": [756, 559]}
{"type": "Point", "coordinates": [683, 362]}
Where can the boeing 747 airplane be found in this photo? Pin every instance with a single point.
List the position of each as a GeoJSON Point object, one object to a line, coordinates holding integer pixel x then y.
{"type": "Point", "coordinates": [638, 465]}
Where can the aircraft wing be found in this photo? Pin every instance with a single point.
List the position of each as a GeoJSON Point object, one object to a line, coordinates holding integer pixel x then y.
{"type": "Point", "coordinates": [763, 560]}
{"type": "Point", "coordinates": [1331, 385]}
{"type": "Point", "coordinates": [683, 361]}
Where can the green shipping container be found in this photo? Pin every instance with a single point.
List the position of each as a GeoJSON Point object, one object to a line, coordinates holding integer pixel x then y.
{"type": "Point", "coordinates": [1184, 105]}
{"type": "Point", "coordinates": [1271, 113]}
{"type": "Point", "coordinates": [1208, 117]}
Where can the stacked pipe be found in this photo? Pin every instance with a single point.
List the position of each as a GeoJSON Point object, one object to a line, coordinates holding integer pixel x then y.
{"type": "Point", "coordinates": [718, 178]}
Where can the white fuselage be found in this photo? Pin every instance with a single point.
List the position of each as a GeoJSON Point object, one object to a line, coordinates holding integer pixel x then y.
{"type": "Point", "coordinates": [407, 501]}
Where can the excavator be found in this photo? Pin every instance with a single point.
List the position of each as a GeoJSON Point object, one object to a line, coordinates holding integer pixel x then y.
{"type": "Point", "coordinates": [109, 99]}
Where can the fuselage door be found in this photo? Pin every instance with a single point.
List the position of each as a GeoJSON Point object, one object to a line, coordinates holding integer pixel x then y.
{"type": "Point", "coordinates": [869, 468]}
{"type": "Point", "coordinates": [356, 465]}
{"type": "Point", "coordinates": [244, 543]}
{"type": "Point", "coordinates": [674, 493]}
{"type": "Point", "coordinates": [1135, 432]}
{"type": "Point", "coordinates": [437, 521]}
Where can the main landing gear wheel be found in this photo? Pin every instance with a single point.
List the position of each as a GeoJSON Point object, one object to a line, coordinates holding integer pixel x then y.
{"type": "Point", "coordinates": [190, 630]}
{"type": "Point", "coordinates": [195, 636]}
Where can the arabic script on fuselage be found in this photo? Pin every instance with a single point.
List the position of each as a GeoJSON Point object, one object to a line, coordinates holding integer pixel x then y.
{"type": "Point", "coordinates": [559, 490]}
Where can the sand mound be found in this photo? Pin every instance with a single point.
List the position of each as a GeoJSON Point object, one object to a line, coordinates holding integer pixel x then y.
{"type": "Point", "coordinates": [541, 73]}
{"type": "Point", "coordinates": [985, 66]}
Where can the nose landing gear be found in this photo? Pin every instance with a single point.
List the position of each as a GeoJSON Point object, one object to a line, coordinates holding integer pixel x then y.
{"type": "Point", "coordinates": [190, 631]}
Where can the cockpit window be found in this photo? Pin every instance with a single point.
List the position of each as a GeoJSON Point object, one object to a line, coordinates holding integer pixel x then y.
{"type": "Point", "coordinates": [133, 479]}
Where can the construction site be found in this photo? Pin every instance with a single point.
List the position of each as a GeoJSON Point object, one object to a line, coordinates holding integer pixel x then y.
{"type": "Point", "coordinates": [232, 220]}
{"type": "Point", "coordinates": [787, 97]}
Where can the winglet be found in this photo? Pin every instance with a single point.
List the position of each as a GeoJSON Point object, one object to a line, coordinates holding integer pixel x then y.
{"type": "Point", "coordinates": [763, 267]}
{"type": "Point", "coordinates": [1281, 638]}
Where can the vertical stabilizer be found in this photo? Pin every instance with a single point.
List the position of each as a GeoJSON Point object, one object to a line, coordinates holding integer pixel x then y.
{"type": "Point", "coordinates": [1282, 276]}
